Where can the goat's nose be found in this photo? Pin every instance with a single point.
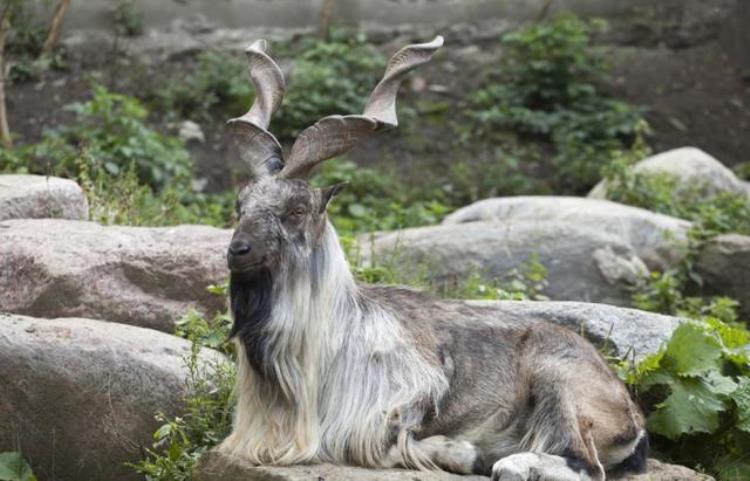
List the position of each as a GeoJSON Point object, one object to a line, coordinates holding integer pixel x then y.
{"type": "Point", "coordinates": [239, 247]}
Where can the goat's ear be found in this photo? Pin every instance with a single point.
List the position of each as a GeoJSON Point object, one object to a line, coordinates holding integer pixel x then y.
{"type": "Point", "coordinates": [328, 193]}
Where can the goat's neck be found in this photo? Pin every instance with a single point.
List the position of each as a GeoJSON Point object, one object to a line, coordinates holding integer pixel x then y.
{"type": "Point", "coordinates": [315, 304]}
{"type": "Point", "coordinates": [319, 291]}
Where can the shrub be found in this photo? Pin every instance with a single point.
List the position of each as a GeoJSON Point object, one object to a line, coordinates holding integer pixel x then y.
{"type": "Point", "coordinates": [122, 199]}
{"type": "Point", "coordinates": [207, 419]}
{"type": "Point", "coordinates": [548, 90]}
{"type": "Point", "coordinates": [111, 129]}
{"type": "Point", "coordinates": [333, 76]}
{"type": "Point", "coordinates": [697, 392]}
{"type": "Point", "coordinates": [697, 387]}
{"type": "Point", "coordinates": [711, 213]}
{"type": "Point", "coordinates": [219, 80]}
{"type": "Point", "coordinates": [127, 19]}
{"type": "Point", "coordinates": [375, 200]}
{"type": "Point", "coordinates": [131, 173]}
{"type": "Point", "coordinates": [25, 41]}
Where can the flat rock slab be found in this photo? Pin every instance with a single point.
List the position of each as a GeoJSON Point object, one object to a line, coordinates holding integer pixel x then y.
{"type": "Point", "coordinates": [78, 396]}
{"type": "Point", "coordinates": [37, 196]}
{"type": "Point", "coordinates": [214, 466]}
{"type": "Point", "coordinates": [621, 331]}
{"type": "Point", "coordinates": [143, 276]}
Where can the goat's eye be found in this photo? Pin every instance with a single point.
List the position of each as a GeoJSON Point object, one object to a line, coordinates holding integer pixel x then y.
{"type": "Point", "coordinates": [297, 212]}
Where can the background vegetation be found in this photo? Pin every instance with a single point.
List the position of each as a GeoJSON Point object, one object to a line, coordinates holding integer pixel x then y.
{"type": "Point", "coordinates": [545, 110]}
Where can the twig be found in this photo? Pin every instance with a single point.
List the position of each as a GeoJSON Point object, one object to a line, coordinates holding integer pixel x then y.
{"type": "Point", "coordinates": [325, 18]}
{"type": "Point", "coordinates": [4, 129]}
{"type": "Point", "coordinates": [55, 26]}
{"type": "Point", "coordinates": [543, 11]}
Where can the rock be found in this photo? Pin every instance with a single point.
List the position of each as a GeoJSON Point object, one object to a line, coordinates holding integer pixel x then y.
{"type": "Point", "coordinates": [583, 264]}
{"type": "Point", "coordinates": [657, 239]}
{"type": "Point", "coordinates": [658, 471]}
{"type": "Point", "coordinates": [690, 166]}
{"type": "Point", "coordinates": [214, 466]}
{"type": "Point", "coordinates": [134, 275]}
{"type": "Point", "coordinates": [620, 331]}
{"type": "Point", "coordinates": [189, 130]}
{"type": "Point", "coordinates": [724, 265]}
{"type": "Point", "coordinates": [37, 196]}
{"type": "Point", "coordinates": [78, 396]}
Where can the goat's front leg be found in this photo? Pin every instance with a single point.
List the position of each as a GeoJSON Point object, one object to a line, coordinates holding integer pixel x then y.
{"type": "Point", "coordinates": [537, 467]}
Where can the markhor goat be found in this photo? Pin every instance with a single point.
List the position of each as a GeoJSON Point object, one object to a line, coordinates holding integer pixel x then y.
{"type": "Point", "coordinates": [332, 371]}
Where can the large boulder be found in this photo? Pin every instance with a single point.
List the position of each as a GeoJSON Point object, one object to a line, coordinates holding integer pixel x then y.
{"type": "Point", "coordinates": [78, 396]}
{"type": "Point", "coordinates": [583, 264]}
{"type": "Point", "coordinates": [724, 265]}
{"type": "Point", "coordinates": [215, 466]}
{"type": "Point", "coordinates": [37, 196]}
{"type": "Point", "coordinates": [621, 332]}
{"type": "Point", "coordinates": [134, 275]}
{"type": "Point", "coordinates": [659, 240]}
{"type": "Point", "coordinates": [690, 166]}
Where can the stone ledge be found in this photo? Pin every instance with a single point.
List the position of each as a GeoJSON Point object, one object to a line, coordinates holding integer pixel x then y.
{"type": "Point", "coordinates": [214, 466]}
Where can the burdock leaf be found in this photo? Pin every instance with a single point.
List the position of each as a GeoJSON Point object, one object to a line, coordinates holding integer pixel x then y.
{"type": "Point", "coordinates": [14, 468]}
{"type": "Point", "coordinates": [693, 406]}
{"type": "Point", "coordinates": [693, 351]}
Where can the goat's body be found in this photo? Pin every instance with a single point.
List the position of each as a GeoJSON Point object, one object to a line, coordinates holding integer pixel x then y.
{"type": "Point", "coordinates": [359, 374]}
{"type": "Point", "coordinates": [519, 384]}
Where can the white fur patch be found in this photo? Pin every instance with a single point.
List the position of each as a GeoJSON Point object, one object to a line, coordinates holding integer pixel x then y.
{"type": "Point", "coordinates": [534, 466]}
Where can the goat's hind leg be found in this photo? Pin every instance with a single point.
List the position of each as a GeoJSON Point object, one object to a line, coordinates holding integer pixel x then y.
{"type": "Point", "coordinates": [453, 455]}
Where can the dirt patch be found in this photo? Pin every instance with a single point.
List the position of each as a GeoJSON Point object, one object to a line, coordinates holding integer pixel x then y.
{"type": "Point", "coordinates": [695, 96]}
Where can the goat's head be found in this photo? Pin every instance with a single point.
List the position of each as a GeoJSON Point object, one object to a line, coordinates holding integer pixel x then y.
{"type": "Point", "coordinates": [281, 216]}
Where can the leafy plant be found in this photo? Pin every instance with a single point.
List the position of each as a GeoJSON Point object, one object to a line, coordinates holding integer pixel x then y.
{"type": "Point", "coordinates": [14, 468]}
{"type": "Point", "coordinates": [549, 90]}
{"type": "Point", "coordinates": [711, 213]}
{"type": "Point", "coordinates": [110, 128]}
{"type": "Point", "coordinates": [332, 76]}
{"type": "Point", "coordinates": [219, 80]}
{"type": "Point", "coordinates": [206, 420]}
{"type": "Point", "coordinates": [128, 20]}
{"type": "Point", "coordinates": [697, 389]}
{"type": "Point", "coordinates": [26, 42]}
{"type": "Point", "coordinates": [376, 200]}
{"type": "Point", "coordinates": [122, 199]}
{"type": "Point", "coordinates": [742, 170]}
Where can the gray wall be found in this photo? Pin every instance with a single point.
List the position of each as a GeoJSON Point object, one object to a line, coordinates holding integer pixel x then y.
{"type": "Point", "coordinates": [634, 20]}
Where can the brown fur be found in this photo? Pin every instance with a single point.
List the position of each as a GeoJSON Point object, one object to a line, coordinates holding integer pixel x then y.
{"type": "Point", "coordinates": [504, 365]}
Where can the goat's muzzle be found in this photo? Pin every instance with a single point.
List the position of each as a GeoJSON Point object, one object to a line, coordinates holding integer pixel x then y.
{"type": "Point", "coordinates": [240, 256]}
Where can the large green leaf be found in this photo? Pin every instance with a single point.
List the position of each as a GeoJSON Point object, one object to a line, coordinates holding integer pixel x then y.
{"type": "Point", "coordinates": [741, 398]}
{"type": "Point", "coordinates": [14, 468]}
{"type": "Point", "coordinates": [693, 351]}
{"type": "Point", "coordinates": [693, 406]}
{"type": "Point", "coordinates": [730, 468]}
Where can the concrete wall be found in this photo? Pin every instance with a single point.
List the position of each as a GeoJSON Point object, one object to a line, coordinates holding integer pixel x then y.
{"type": "Point", "coordinates": [633, 18]}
